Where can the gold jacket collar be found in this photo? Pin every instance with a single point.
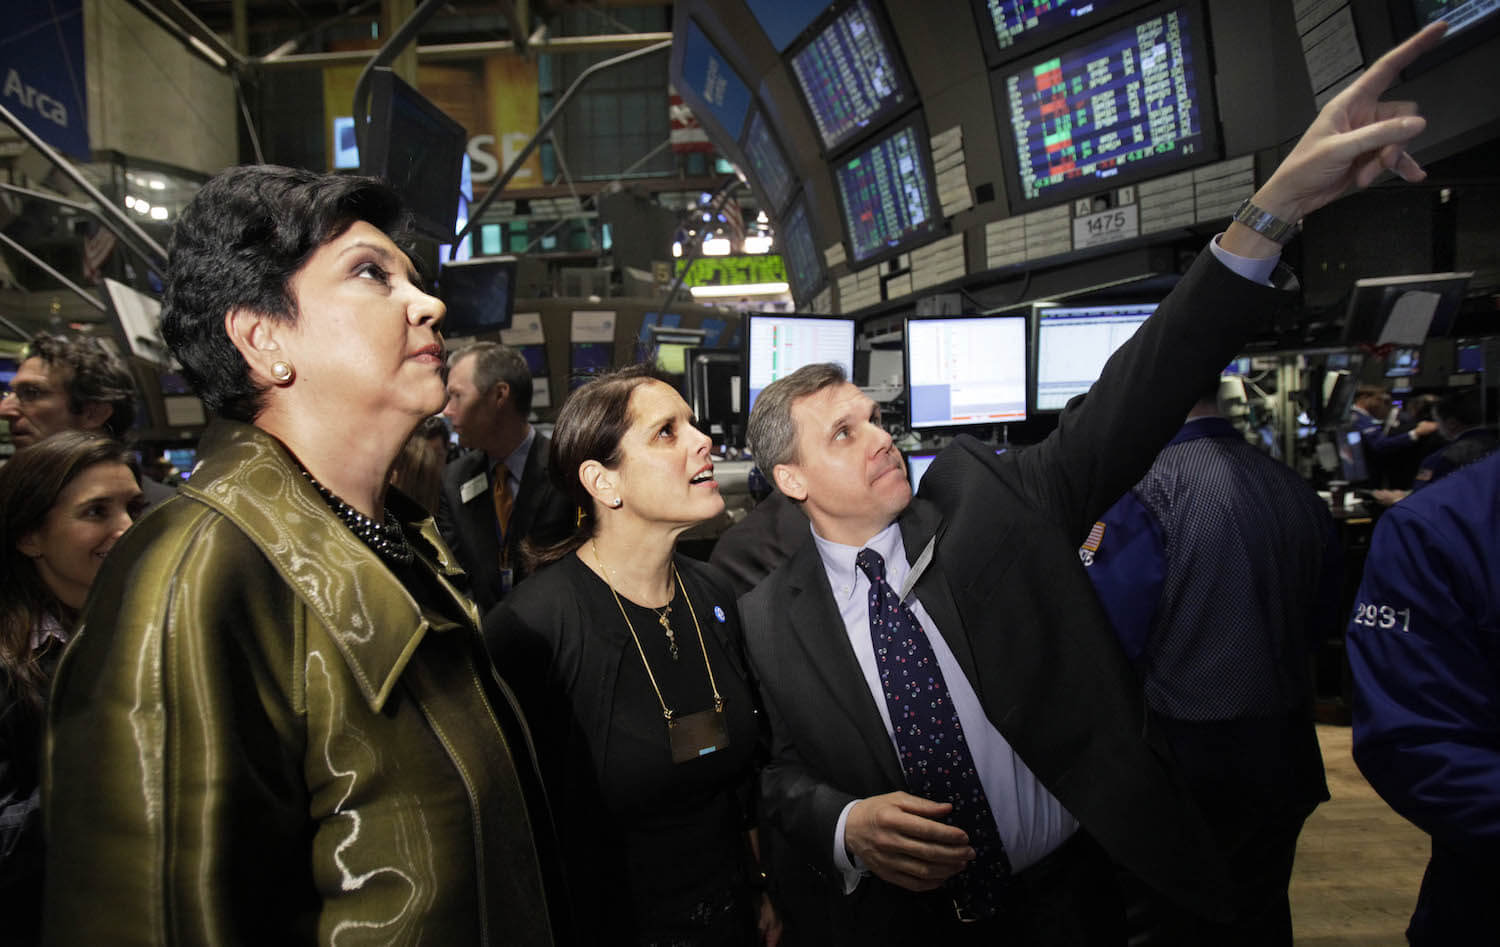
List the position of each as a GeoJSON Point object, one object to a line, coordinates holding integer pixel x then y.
{"type": "Point", "coordinates": [249, 477]}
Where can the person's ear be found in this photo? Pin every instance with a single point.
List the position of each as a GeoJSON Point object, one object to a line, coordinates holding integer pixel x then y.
{"type": "Point", "coordinates": [789, 481]}
{"type": "Point", "coordinates": [502, 393]}
{"type": "Point", "coordinates": [601, 483]}
{"type": "Point", "coordinates": [95, 414]}
{"type": "Point", "coordinates": [258, 337]}
{"type": "Point", "coordinates": [30, 545]}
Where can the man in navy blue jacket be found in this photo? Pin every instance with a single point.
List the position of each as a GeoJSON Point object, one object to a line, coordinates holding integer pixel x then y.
{"type": "Point", "coordinates": [1220, 570]}
{"type": "Point", "coordinates": [1424, 647]}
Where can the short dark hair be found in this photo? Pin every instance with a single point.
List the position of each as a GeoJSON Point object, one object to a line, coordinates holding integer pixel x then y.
{"type": "Point", "coordinates": [494, 363]}
{"type": "Point", "coordinates": [237, 245]}
{"type": "Point", "coordinates": [590, 426]}
{"type": "Point", "coordinates": [95, 374]}
{"type": "Point", "coordinates": [771, 432]}
{"type": "Point", "coordinates": [1464, 407]}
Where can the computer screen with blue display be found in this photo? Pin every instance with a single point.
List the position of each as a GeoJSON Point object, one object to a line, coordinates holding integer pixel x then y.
{"type": "Point", "coordinates": [851, 75]}
{"type": "Point", "coordinates": [887, 194]}
{"type": "Point", "coordinates": [1074, 342]}
{"type": "Point", "coordinates": [784, 20]}
{"type": "Point", "coordinates": [794, 240]}
{"type": "Point", "coordinates": [1128, 101]}
{"type": "Point", "coordinates": [1011, 28]}
{"type": "Point", "coordinates": [779, 345]}
{"type": "Point", "coordinates": [916, 466]}
{"type": "Point", "coordinates": [967, 370]}
{"type": "Point", "coordinates": [767, 164]}
{"type": "Point", "coordinates": [707, 73]}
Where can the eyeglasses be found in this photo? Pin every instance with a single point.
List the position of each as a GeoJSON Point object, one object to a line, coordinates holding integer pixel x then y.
{"type": "Point", "coordinates": [26, 393]}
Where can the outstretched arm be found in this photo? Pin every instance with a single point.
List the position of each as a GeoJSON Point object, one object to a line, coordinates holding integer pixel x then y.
{"type": "Point", "coordinates": [1354, 139]}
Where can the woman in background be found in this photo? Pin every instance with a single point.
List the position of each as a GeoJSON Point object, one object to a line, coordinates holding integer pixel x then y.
{"type": "Point", "coordinates": [627, 659]}
{"type": "Point", "coordinates": [63, 503]}
{"type": "Point", "coordinates": [418, 471]}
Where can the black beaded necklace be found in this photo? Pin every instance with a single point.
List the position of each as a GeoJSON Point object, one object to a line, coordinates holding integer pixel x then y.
{"type": "Point", "coordinates": [386, 539]}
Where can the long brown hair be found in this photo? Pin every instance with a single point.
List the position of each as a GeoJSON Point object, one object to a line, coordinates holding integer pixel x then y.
{"type": "Point", "coordinates": [418, 470]}
{"type": "Point", "coordinates": [30, 484]}
{"type": "Point", "coordinates": [590, 426]}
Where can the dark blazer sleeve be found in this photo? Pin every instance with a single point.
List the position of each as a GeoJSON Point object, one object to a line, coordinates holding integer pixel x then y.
{"type": "Point", "coordinates": [1106, 440]}
{"type": "Point", "coordinates": [794, 798]}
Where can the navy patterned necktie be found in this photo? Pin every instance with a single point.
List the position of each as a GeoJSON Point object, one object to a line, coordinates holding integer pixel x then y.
{"type": "Point", "coordinates": [934, 755]}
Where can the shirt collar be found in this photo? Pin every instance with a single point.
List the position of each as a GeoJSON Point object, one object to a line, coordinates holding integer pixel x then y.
{"type": "Point", "coordinates": [48, 627]}
{"type": "Point", "coordinates": [1207, 426]}
{"type": "Point", "coordinates": [515, 461]}
{"type": "Point", "coordinates": [838, 559]}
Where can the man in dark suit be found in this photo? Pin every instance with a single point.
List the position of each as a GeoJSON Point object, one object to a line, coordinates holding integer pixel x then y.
{"type": "Point", "coordinates": [949, 707]}
{"type": "Point", "coordinates": [503, 474]}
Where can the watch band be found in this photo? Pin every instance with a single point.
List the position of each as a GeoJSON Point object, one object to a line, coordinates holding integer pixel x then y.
{"type": "Point", "coordinates": [1265, 223]}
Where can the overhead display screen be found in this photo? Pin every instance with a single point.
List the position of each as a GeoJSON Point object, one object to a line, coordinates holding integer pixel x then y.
{"type": "Point", "coordinates": [966, 371]}
{"type": "Point", "coordinates": [888, 195]}
{"type": "Point", "coordinates": [1074, 342]}
{"type": "Point", "coordinates": [794, 239]}
{"type": "Point", "coordinates": [851, 75]}
{"type": "Point", "coordinates": [784, 20]}
{"type": "Point", "coordinates": [708, 74]}
{"type": "Point", "coordinates": [1012, 28]}
{"type": "Point", "coordinates": [1126, 102]}
{"type": "Point", "coordinates": [767, 164]}
{"type": "Point", "coordinates": [779, 345]}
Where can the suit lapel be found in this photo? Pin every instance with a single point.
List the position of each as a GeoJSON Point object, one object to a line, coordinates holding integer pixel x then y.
{"type": "Point", "coordinates": [819, 629]}
{"type": "Point", "coordinates": [922, 523]}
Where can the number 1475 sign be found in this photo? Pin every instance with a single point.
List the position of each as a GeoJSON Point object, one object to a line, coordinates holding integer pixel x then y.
{"type": "Point", "coordinates": [1106, 226]}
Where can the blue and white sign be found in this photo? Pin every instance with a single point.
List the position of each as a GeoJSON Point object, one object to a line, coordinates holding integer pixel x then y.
{"type": "Point", "coordinates": [42, 71]}
{"type": "Point", "coordinates": [708, 74]}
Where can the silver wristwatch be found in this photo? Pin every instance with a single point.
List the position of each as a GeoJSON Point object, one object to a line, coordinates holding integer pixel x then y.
{"type": "Point", "coordinates": [1266, 224]}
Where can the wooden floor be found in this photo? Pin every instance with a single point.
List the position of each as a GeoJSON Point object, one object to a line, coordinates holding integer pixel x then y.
{"type": "Point", "coordinates": [1359, 865]}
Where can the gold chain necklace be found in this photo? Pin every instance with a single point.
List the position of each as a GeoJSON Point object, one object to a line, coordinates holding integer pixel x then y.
{"type": "Point", "coordinates": [665, 710]}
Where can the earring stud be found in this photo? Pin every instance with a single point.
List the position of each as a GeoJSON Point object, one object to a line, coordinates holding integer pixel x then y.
{"type": "Point", "coordinates": [619, 502]}
{"type": "Point", "coordinates": [282, 372]}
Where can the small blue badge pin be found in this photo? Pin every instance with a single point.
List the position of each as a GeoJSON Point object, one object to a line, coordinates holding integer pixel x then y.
{"type": "Point", "coordinates": [719, 614]}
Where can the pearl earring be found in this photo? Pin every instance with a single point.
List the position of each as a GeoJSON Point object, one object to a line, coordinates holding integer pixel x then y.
{"type": "Point", "coordinates": [619, 502]}
{"type": "Point", "coordinates": [282, 372]}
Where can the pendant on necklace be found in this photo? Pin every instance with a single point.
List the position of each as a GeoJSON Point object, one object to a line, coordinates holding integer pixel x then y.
{"type": "Point", "coordinates": [666, 626]}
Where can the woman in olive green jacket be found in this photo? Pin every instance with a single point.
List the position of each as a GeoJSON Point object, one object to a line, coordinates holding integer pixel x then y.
{"type": "Point", "coordinates": [276, 723]}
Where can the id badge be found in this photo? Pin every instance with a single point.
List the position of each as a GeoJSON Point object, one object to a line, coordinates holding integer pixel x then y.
{"type": "Point", "coordinates": [697, 735]}
{"type": "Point", "coordinates": [507, 580]}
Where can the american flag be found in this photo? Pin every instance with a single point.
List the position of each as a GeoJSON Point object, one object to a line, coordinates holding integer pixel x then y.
{"type": "Point", "coordinates": [96, 250]}
{"type": "Point", "coordinates": [687, 135]}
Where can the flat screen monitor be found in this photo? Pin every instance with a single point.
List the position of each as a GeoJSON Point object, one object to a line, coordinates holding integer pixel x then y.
{"type": "Point", "coordinates": [1339, 388]}
{"type": "Point", "coordinates": [785, 20]}
{"type": "Point", "coordinates": [8, 368]}
{"type": "Point", "coordinates": [851, 75]}
{"type": "Point", "coordinates": [794, 240]}
{"type": "Point", "coordinates": [708, 77]}
{"type": "Point", "coordinates": [416, 149]}
{"type": "Point", "coordinates": [1128, 101]}
{"type": "Point", "coordinates": [713, 392]}
{"type": "Point", "coordinates": [1469, 357]}
{"type": "Point", "coordinates": [966, 370]}
{"type": "Point", "coordinates": [1351, 448]}
{"type": "Point", "coordinates": [916, 465]}
{"type": "Point", "coordinates": [183, 458]}
{"type": "Point", "coordinates": [1403, 363]}
{"type": "Point", "coordinates": [536, 358]}
{"type": "Point", "coordinates": [1404, 310]}
{"type": "Point", "coordinates": [1012, 28]}
{"type": "Point", "coordinates": [171, 383]}
{"type": "Point", "coordinates": [589, 359]}
{"type": "Point", "coordinates": [768, 165]}
{"type": "Point", "coordinates": [781, 344]}
{"type": "Point", "coordinates": [479, 294]}
{"type": "Point", "coordinates": [1239, 367]}
{"type": "Point", "coordinates": [888, 194]}
{"type": "Point", "coordinates": [1470, 23]}
{"type": "Point", "coordinates": [1074, 342]}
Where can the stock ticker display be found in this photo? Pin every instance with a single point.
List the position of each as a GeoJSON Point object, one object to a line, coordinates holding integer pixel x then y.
{"type": "Point", "coordinates": [766, 161]}
{"type": "Point", "coordinates": [850, 75]}
{"type": "Point", "coordinates": [1123, 100]}
{"type": "Point", "coordinates": [887, 193]}
{"type": "Point", "coordinates": [797, 249]}
{"type": "Point", "coordinates": [1015, 20]}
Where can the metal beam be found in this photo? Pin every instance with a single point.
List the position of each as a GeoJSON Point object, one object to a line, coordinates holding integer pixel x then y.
{"type": "Point", "coordinates": [440, 52]}
{"type": "Point", "coordinates": [545, 128]}
{"type": "Point", "coordinates": [47, 268]}
{"type": "Point", "coordinates": [107, 209]}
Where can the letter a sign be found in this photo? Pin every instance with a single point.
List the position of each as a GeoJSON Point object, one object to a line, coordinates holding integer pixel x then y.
{"type": "Point", "coordinates": [42, 71]}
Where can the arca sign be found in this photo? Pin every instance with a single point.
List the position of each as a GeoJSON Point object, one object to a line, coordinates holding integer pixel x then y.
{"type": "Point", "coordinates": [35, 100]}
